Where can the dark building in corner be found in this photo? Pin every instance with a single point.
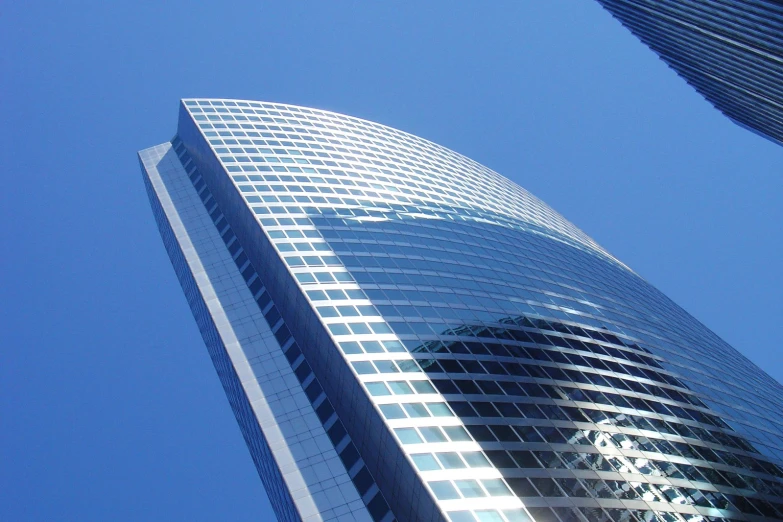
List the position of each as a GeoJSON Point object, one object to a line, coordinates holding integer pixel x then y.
{"type": "Point", "coordinates": [404, 334]}
{"type": "Point", "coordinates": [730, 51]}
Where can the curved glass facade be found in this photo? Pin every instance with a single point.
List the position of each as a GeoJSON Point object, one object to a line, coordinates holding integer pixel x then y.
{"type": "Point", "coordinates": [483, 358]}
{"type": "Point", "coordinates": [730, 51]}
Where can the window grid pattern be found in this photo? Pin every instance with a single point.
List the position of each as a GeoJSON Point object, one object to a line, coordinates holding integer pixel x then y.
{"type": "Point", "coordinates": [279, 496]}
{"type": "Point", "coordinates": [731, 52]}
{"type": "Point", "coordinates": [512, 357]}
{"type": "Point", "coordinates": [361, 477]}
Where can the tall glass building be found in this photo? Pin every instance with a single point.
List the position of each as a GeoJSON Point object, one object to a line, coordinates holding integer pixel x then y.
{"type": "Point", "coordinates": [730, 51]}
{"type": "Point", "coordinates": [404, 334]}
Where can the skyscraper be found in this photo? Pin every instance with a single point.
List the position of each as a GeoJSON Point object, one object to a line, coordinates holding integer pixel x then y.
{"type": "Point", "coordinates": [404, 334]}
{"type": "Point", "coordinates": [730, 51]}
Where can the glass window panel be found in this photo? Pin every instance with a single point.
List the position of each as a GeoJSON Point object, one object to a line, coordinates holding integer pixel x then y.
{"type": "Point", "coordinates": [432, 434]}
{"type": "Point", "coordinates": [517, 515]}
{"type": "Point", "coordinates": [377, 388]}
{"type": "Point", "coordinates": [359, 328]}
{"type": "Point", "coordinates": [496, 488]}
{"type": "Point", "coordinates": [469, 488]}
{"type": "Point", "coordinates": [461, 516]}
{"type": "Point", "coordinates": [327, 311]}
{"type": "Point", "coordinates": [363, 367]}
{"type": "Point", "coordinates": [439, 409]}
{"type": "Point", "coordinates": [443, 490]}
{"type": "Point", "coordinates": [394, 346]}
{"type": "Point", "coordinates": [392, 411]}
{"type": "Point", "coordinates": [423, 387]}
{"type": "Point", "coordinates": [347, 311]}
{"type": "Point", "coordinates": [476, 459]}
{"type": "Point", "coordinates": [425, 462]}
{"type": "Point", "coordinates": [457, 433]}
{"type": "Point", "coordinates": [489, 515]}
{"type": "Point", "coordinates": [400, 387]}
{"type": "Point", "coordinates": [416, 410]}
{"type": "Point", "coordinates": [408, 435]}
{"type": "Point", "coordinates": [305, 278]}
{"type": "Point", "coordinates": [350, 347]}
{"type": "Point", "coordinates": [450, 460]}
{"type": "Point", "coordinates": [372, 347]}
{"type": "Point", "coordinates": [380, 328]}
{"type": "Point", "coordinates": [386, 367]}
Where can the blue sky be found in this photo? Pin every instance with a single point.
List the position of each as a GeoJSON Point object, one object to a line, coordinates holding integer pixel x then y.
{"type": "Point", "coordinates": [111, 409]}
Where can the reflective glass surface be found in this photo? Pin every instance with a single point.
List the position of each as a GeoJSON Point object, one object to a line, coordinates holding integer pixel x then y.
{"type": "Point", "coordinates": [730, 51]}
{"type": "Point", "coordinates": [521, 370]}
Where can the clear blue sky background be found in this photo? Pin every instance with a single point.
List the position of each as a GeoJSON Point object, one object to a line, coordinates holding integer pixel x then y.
{"type": "Point", "coordinates": [111, 409]}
